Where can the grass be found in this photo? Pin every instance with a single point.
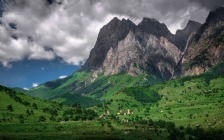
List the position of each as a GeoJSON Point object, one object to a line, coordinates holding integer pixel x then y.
{"type": "Point", "coordinates": [103, 87]}
{"type": "Point", "coordinates": [75, 130]}
{"type": "Point", "coordinates": [195, 101]}
{"type": "Point", "coordinates": [127, 112]}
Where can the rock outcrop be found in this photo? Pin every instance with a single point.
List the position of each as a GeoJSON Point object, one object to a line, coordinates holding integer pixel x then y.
{"type": "Point", "coordinates": [150, 47]}
{"type": "Point", "coordinates": [183, 35]}
{"type": "Point", "coordinates": [205, 48]}
{"type": "Point", "coordinates": [123, 46]}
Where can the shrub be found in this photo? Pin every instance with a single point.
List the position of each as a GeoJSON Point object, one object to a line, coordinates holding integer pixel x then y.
{"type": "Point", "coordinates": [10, 108]}
{"type": "Point", "coordinates": [42, 119]}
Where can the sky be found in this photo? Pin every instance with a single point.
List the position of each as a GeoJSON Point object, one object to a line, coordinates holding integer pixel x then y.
{"type": "Point", "coordinates": [37, 33]}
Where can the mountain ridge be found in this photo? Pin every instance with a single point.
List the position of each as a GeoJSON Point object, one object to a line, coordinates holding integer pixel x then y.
{"type": "Point", "coordinates": [136, 57]}
{"type": "Point", "coordinates": [205, 48]}
{"type": "Point", "coordinates": [147, 31]}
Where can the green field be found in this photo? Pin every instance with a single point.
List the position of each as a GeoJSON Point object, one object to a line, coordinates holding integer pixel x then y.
{"type": "Point", "coordinates": [186, 108]}
{"type": "Point", "coordinates": [82, 83]}
{"type": "Point", "coordinates": [195, 101]}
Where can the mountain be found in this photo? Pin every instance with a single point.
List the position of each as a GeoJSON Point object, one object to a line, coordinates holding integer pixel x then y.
{"type": "Point", "coordinates": [138, 83]}
{"type": "Point", "coordinates": [192, 100]}
{"type": "Point", "coordinates": [129, 55]}
{"type": "Point", "coordinates": [124, 55]}
{"type": "Point", "coordinates": [147, 47]}
{"type": "Point", "coordinates": [183, 35]}
{"type": "Point", "coordinates": [205, 48]}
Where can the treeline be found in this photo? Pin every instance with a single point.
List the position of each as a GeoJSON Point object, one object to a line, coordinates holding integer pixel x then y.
{"type": "Point", "coordinates": [51, 111]}
{"type": "Point", "coordinates": [174, 132]}
{"type": "Point", "coordinates": [142, 94]}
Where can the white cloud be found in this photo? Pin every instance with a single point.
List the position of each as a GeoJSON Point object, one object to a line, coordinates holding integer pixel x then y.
{"type": "Point", "coordinates": [62, 77]}
{"type": "Point", "coordinates": [69, 30]}
{"type": "Point", "coordinates": [35, 84]}
{"type": "Point", "coordinates": [25, 88]}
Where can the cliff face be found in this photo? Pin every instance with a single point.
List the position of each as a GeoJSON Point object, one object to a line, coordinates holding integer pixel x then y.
{"type": "Point", "coordinates": [150, 47]}
{"type": "Point", "coordinates": [136, 54]}
{"type": "Point", "coordinates": [123, 46]}
{"type": "Point", "coordinates": [205, 48]}
{"type": "Point", "coordinates": [183, 35]}
{"type": "Point", "coordinates": [148, 52]}
{"type": "Point", "coordinates": [108, 38]}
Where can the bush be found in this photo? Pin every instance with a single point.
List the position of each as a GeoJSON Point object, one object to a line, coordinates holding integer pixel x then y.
{"type": "Point", "coordinates": [42, 119]}
{"type": "Point", "coordinates": [10, 108]}
{"type": "Point", "coordinates": [143, 94]}
{"type": "Point", "coordinates": [21, 119]}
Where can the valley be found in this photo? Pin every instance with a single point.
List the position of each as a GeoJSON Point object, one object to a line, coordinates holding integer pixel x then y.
{"type": "Point", "coordinates": [139, 82]}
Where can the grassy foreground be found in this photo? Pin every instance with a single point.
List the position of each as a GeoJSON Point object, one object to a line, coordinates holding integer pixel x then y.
{"type": "Point", "coordinates": [187, 108]}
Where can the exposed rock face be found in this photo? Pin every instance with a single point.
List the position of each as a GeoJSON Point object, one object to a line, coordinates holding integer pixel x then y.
{"type": "Point", "coordinates": [124, 47]}
{"type": "Point", "coordinates": [149, 47]}
{"type": "Point", "coordinates": [152, 26]}
{"type": "Point", "coordinates": [206, 47]}
{"type": "Point", "coordinates": [108, 38]}
{"type": "Point", "coordinates": [135, 56]}
{"type": "Point", "coordinates": [183, 35]}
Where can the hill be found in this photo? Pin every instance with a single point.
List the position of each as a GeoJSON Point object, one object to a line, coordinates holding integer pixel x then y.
{"type": "Point", "coordinates": [189, 101]}
{"type": "Point", "coordinates": [128, 55]}
{"type": "Point", "coordinates": [20, 108]}
{"type": "Point", "coordinates": [123, 55]}
{"type": "Point", "coordinates": [50, 120]}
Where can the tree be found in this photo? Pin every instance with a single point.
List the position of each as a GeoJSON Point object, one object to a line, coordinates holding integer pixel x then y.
{"type": "Point", "coordinates": [31, 112]}
{"type": "Point", "coordinates": [42, 119]}
{"type": "Point", "coordinates": [21, 119]}
{"type": "Point", "coordinates": [35, 106]}
{"type": "Point", "coordinates": [27, 112]}
{"type": "Point", "coordinates": [65, 118]}
{"type": "Point", "coordinates": [109, 124]}
{"type": "Point", "coordinates": [10, 108]}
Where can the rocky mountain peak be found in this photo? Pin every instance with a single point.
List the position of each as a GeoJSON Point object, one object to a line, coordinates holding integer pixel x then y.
{"type": "Point", "coordinates": [216, 15]}
{"type": "Point", "coordinates": [192, 26]}
{"type": "Point", "coordinates": [108, 37]}
{"type": "Point", "coordinates": [183, 35]}
{"type": "Point", "coordinates": [205, 49]}
{"type": "Point", "coordinates": [213, 18]}
{"type": "Point", "coordinates": [148, 47]}
{"type": "Point", "coordinates": [152, 26]}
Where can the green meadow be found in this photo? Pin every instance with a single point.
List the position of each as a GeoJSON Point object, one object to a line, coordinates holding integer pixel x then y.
{"type": "Point", "coordinates": [185, 108]}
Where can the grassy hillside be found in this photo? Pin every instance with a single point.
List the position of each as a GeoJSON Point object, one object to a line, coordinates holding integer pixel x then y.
{"type": "Point", "coordinates": [60, 90]}
{"type": "Point", "coordinates": [26, 117]}
{"type": "Point", "coordinates": [81, 83]}
{"type": "Point", "coordinates": [194, 101]}
{"type": "Point", "coordinates": [20, 108]}
{"type": "Point", "coordinates": [187, 108]}
{"type": "Point", "coordinates": [71, 99]}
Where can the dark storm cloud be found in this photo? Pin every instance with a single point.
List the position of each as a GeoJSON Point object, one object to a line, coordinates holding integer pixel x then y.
{"type": "Point", "coordinates": [209, 4]}
{"type": "Point", "coordinates": [69, 28]}
{"type": "Point", "coordinates": [174, 13]}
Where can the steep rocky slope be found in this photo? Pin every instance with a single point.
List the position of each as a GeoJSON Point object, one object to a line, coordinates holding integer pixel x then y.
{"type": "Point", "coordinates": [183, 35]}
{"type": "Point", "coordinates": [147, 47]}
{"type": "Point", "coordinates": [205, 48]}
{"type": "Point", "coordinates": [128, 55]}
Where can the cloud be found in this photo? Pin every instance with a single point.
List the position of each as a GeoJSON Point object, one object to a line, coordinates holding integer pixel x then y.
{"type": "Point", "coordinates": [62, 77]}
{"type": "Point", "coordinates": [209, 4]}
{"type": "Point", "coordinates": [25, 88]}
{"type": "Point", "coordinates": [35, 84]}
{"type": "Point", "coordinates": [46, 31]}
{"type": "Point", "coordinates": [68, 28]}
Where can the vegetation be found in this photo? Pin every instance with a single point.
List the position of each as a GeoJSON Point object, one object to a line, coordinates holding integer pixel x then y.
{"type": "Point", "coordinates": [20, 108]}
{"type": "Point", "coordinates": [104, 87]}
{"type": "Point", "coordinates": [186, 108]}
{"type": "Point", "coordinates": [143, 95]}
